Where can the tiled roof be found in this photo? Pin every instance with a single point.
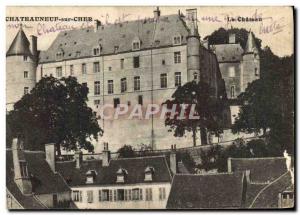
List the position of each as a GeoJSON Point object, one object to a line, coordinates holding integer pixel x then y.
{"type": "Point", "coordinates": [206, 191]}
{"type": "Point", "coordinates": [20, 45]}
{"type": "Point", "coordinates": [43, 180]}
{"type": "Point", "coordinates": [261, 169]}
{"type": "Point", "coordinates": [135, 168]}
{"type": "Point", "coordinates": [228, 52]}
{"type": "Point", "coordinates": [112, 35]}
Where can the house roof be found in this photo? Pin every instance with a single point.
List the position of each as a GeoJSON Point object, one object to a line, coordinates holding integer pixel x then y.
{"type": "Point", "coordinates": [135, 168]}
{"type": "Point", "coordinates": [112, 35]}
{"type": "Point", "coordinates": [250, 45]}
{"type": "Point", "coordinates": [20, 45]}
{"type": "Point", "coordinates": [211, 191]}
{"type": "Point", "coordinates": [261, 169]}
{"type": "Point", "coordinates": [43, 180]}
{"type": "Point", "coordinates": [228, 52]}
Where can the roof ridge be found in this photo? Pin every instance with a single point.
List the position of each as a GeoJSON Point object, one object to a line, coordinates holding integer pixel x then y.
{"type": "Point", "coordinates": [141, 157]}
{"type": "Point", "coordinates": [257, 158]}
{"type": "Point", "coordinates": [207, 174]}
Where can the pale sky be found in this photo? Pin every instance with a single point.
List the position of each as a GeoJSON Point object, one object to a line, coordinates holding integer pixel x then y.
{"type": "Point", "coordinates": [276, 29]}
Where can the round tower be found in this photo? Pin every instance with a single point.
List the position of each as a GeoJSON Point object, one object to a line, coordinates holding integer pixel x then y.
{"type": "Point", "coordinates": [193, 47]}
{"type": "Point", "coordinates": [21, 63]}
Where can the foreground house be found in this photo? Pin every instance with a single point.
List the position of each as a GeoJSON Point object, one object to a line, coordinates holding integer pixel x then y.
{"type": "Point", "coordinates": [31, 183]}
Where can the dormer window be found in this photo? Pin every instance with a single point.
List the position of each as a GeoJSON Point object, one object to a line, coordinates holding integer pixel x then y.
{"type": "Point", "coordinates": [177, 40]}
{"type": "Point", "coordinates": [90, 176]}
{"type": "Point", "coordinates": [136, 44]}
{"type": "Point", "coordinates": [116, 49]}
{"type": "Point", "coordinates": [121, 175]}
{"type": "Point", "coordinates": [96, 51]}
{"type": "Point", "coordinates": [149, 172]}
{"type": "Point", "coordinates": [59, 55]}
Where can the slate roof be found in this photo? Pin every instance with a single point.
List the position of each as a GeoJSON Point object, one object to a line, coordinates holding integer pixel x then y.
{"type": "Point", "coordinates": [228, 52]}
{"type": "Point", "coordinates": [20, 45]}
{"type": "Point", "coordinates": [44, 181]}
{"type": "Point", "coordinates": [111, 35]}
{"type": "Point", "coordinates": [261, 169]}
{"type": "Point", "coordinates": [135, 168]}
{"type": "Point", "coordinates": [210, 191]}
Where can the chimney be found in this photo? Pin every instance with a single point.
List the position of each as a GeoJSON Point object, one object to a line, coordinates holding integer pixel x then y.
{"type": "Point", "coordinates": [78, 158]}
{"type": "Point", "coordinates": [229, 169]}
{"type": "Point", "coordinates": [50, 155]}
{"type": "Point", "coordinates": [105, 155]}
{"type": "Point", "coordinates": [33, 47]}
{"type": "Point", "coordinates": [97, 25]}
{"type": "Point", "coordinates": [156, 13]}
{"type": "Point", "coordinates": [173, 161]}
{"type": "Point", "coordinates": [231, 38]}
{"type": "Point", "coordinates": [247, 174]}
{"type": "Point", "coordinates": [21, 173]}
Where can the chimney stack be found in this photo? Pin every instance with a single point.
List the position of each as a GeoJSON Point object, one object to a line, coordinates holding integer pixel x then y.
{"type": "Point", "coordinates": [231, 38]}
{"type": "Point", "coordinates": [50, 155]}
{"type": "Point", "coordinates": [21, 173]}
{"type": "Point", "coordinates": [105, 155]}
{"type": "Point", "coordinates": [156, 13]}
{"type": "Point", "coordinates": [78, 158]}
{"type": "Point", "coordinates": [97, 24]}
{"type": "Point", "coordinates": [33, 47]}
{"type": "Point", "coordinates": [173, 160]}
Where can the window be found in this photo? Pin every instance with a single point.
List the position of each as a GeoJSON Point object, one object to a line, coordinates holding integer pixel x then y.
{"type": "Point", "coordinates": [25, 74]}
{"type": "Point", "coordinates": [110, 86]}
{"type": "Point", "coordinates": [59, 55]}
{"type": "Point", "coordinates": [23, 168]}
{"type": "Point", "coordinates": [122, 63]}
{"type": "Point", "coordinates": [84, 84]}
{"type": "Point", "coordinates": [123, 85]}
{"type": "Point", "coordinates": [162, 193]}
{"type": "Point", "coordinates": [163, 62]}
{"type": "Point", "coordinates": [136, 62]}
{"type": "Point", "coordinates": [177, 79]}
{"type": "Point", "coordinates": [137, 194]}
{"type": "Point", "coordinates": [232, 91]}
{"type": "Point", "coordinates": [137, 83]}
{"type": "Point", "coordinates": [136, 45]}
{"type": "Point", "coordinates": [77, 196]}
{"type": "Point", "coordinates": [196, 76]}
{"type": "Point", "coordinates": [83, 68]}
{"type": "Point", "coordinates": [256, 72]}
{"type": "Point", "coordinates": [177, 57]}
{"type": "Point", "coordinates": [177, 40]}
{"type": "Point", "coordinates": [163, 80]}
{"type": "Point", "coordinates": [120, 195]}
{"type": "Point", "coordinates": [97, 102]}
{"type": "Point", "coordinates": [148, 194]}
{"type": "Point", "coordinates": [116, 102]}
{"type": "Point", "coordinates": [109, 68]}
{"type": "Point", "coordinates": [26, 90]}
{"type": "Point", "coordinates": [97, 88]}
{"type": "Point", "coordinates": [71, 69]}
{"type": "Point", "coordinates": [78, 53]}
{"type": "Point", "coordinates": [104, 195]}
{"type": "Point", "coordinates": [58, 71]}
{"type": "Point", "coordinates": [96, 51]}
{"type": "Point", "coordinates": [140, 100]}
{"type": "Point", "coordinates": [231, 71]}
{"type": "Point", "coordinates": [89, 196]}
{"type": "Point", "coordinates": [25, 58]}
{"type": "Point", "coordinates": [96, 67]}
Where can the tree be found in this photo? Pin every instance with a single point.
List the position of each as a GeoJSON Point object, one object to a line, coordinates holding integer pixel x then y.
{"type": "Point", "coordinates": [55, 111]}
{"type": "Point", "coordinates": [208, 108]}
{"type": "Point", "coordinates": [126, 152]}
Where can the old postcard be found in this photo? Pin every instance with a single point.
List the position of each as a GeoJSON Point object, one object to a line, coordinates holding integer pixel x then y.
{"type": "Point", "coordinates": [149, 107]}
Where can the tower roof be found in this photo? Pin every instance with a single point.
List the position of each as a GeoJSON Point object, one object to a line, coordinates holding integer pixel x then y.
{"type": "Point", "coordinates": [250, 46]}
{"type": "Point", "coordinates": [20, 45]}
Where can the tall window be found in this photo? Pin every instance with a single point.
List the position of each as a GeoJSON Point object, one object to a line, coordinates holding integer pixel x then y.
{"type": "Point", "coordinates": [163, 81]}
{"type": "Point", "coordinates": [96, 67]}
{"type": "Point", "coordinates": [26, 90]}
{"type": "Point", "coordinates": [177, 79]}
{"type": "Point", "coordinates": [120, 194]}
{"type": "Point", "coordinates": [23, 168]}
{"type": "Point", "coordinates": [148, 194]}
{"type": "Point", "coordinates": [177, 57]}
{"type": "Point", "coordinates": [58, 71]}
{"type": "Point", "coordinates": [137, 194]}
{"type": "Point", "coordinates": [122, 63]}
{"type": "Point", "coordinates": [140, 100]}
{"type": "Point", "coordinates": [97, 87]}
{"type": "Point", "coordinates": [83, 68]}
{"type": "Point", "coordinates": [104, 195]}
{"type": "Point", "coordinates": [110, 86]}
{"type": "Point", "coordinates": [77, 196]}
{"type": "Point", "coordinates": [116, 102]}
{"type": "Point", "coordinates": [71, 69]}
{"type": "Point", "coordinates": [123, 85]}
{"type": "Point", "coordinates": [89, 196]}
{"type": "Point", "coordinates": [136, 62]}
{"type": "Point", "coordinates": [162, 193]}
{"type": "Point", "coordinates": [25, 74]}
{"type": "Point", "coordinates": [195, 76]}
{"type": "Point", "coordinates": [231, 70]}
{"type": "Point", "coordinates": [232, 91]}
{"type": "Point", "coordinates": [137, 83]}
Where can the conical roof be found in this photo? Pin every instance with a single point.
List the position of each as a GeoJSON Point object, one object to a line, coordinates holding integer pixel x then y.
{"type": "Point", "coordinates": [250, 46]}
{"type": "Point", "coordinates": [20, 45]}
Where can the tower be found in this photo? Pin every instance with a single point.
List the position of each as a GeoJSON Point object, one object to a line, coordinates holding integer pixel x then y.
{"type": "Point", "coordinates": [21, 63]}
{"type": "Point", "coordinates": [250, 70]}
{"type": "Point", "coordinates": [193, 46]}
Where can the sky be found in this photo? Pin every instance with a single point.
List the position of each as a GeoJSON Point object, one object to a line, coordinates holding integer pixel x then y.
{"type": "Point", "coordinates": [275, 28]}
